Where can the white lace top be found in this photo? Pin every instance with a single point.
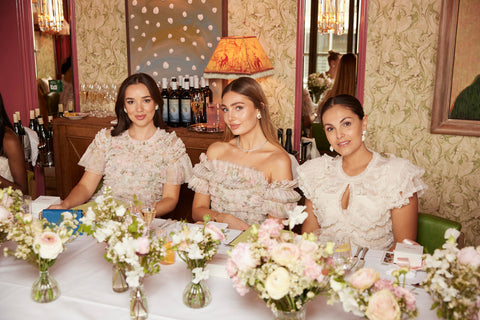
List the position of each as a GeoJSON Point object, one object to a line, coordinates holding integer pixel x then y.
{"type": "Point", "coordinates": [385, 184]}
{"type": "Point", "coordinates": [5, 169]}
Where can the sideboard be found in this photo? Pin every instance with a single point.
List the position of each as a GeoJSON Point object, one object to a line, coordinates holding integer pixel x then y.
{"type": "Point", "coordinates": [72, 137]}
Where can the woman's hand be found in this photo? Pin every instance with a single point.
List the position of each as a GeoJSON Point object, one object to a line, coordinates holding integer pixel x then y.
{"type": "Point", "coordinates": [232, 221]}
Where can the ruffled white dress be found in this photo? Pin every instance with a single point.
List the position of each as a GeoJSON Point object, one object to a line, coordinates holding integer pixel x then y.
{"type": "Point", "coordinates": [5, 169]}
{"type": "Point", "coordinates": [385, 184]}
{"type": "Point", "coordinates": [138, 167]}
{"type": "Point", "coordinates": [242, 191]}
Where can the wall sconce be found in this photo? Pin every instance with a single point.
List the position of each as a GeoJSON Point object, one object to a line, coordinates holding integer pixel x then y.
{"type": "Point", "coordinates": [236, 57]}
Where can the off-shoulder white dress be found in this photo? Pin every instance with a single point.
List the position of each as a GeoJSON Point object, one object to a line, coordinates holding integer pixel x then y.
{"type": "Point", "coordinates": [138, 167]}
{"type": "Point", "coordinates": [242, 191]}
{"type": "Point", "coordinates": [385, 184]}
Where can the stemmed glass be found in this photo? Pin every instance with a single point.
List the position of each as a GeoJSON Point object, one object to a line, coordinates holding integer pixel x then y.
{"type": "Point", "coordinates": [147, 210]}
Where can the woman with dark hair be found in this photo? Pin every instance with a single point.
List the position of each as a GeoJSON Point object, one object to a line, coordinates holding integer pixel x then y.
{"type": "Point", "coordinates": [247, 177]}
{"type": "Point", "coordinates": [332, 59]}
{"type": "Point", "coordinates": [137, 156]}
{"type": "Point", "coordinates": [361, 194]}
{"type": "Point", "coordinates": [12, 157]}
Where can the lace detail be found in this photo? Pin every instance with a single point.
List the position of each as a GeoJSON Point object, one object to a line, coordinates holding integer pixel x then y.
{"type": "Point", "coordinates": [242, 191]}
{"type": "Point", "coordinates": [5, 169]}
{"type": "Point", "coordinates": [385, 184]}
{"type": "Point", "coordinates": [138, 167]}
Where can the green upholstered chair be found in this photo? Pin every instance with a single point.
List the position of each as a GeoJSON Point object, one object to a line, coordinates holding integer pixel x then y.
{"type": "Point", "coordinates": [317, 133]}
{"type": "Point", "coordinates": [431, 230]}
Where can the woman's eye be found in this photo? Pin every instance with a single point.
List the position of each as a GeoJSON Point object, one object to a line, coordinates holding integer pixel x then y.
{"type": "Point", "coordinates": [238, 108]}
{"type": "Point", "coordinates": [347, 124]}
{"type": "Point", "coordinates": [147, 100]}
{"type": "Point", "coordinates": [225, 110]}
{"type": "Point", "coordinates": [329, 129]}
{"type": "Point", "coordinates": [129, 102]}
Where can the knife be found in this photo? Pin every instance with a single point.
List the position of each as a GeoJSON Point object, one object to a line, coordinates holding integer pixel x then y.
{"type": "Point", "coordinates": [354, 260]}
{"type": "Point", "coordinates": [361, 263]}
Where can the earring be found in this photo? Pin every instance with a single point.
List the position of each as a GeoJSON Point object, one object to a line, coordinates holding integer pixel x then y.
{"type": "Point", "coordinates": [363, 135]}
{"type": "Point", "coordinates": [259, 116]}
{"type": "Point", "coordinates": [331, 149]}
{"type": "Point", "coordinates": [156, 107]}
{"type": "Point", "coordinates": [125, 110]}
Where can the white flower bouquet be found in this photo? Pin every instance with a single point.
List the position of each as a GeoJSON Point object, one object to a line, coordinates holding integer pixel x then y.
{"type": "Point", "coordinates": [130, 243]}
{"type": "Point", "coordinates": [10, 203]}
{"type": "Point", "coordinates": [366, 295]}
{"type": "Point", "coordinates": [317, 84]}
{"type": "Point", "coordinates": [285, 269]}
{"type": "Point", "coordinates": [453, 279]}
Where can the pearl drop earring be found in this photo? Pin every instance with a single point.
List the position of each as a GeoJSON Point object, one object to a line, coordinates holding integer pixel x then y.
{"type": "Point", "coordinates": [363, 135]}
{"type": "Point", "coordinates": [331, 149]}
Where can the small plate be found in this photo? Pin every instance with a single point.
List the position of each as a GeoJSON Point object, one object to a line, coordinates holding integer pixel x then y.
{"type": "Point", "coordinates": [203, 127]}
{"type": "Point", "coordinates": [75, 115]}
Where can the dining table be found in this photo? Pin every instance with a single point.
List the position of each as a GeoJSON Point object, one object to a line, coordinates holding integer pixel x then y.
{"type": "Point", "coordinates": [85, 280]}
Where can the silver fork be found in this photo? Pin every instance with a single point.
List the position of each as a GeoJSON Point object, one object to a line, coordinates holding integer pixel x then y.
{"type": "Point", "coordinates": [361, 262]}
{"type": "Point", "coordinates": [355, 258]}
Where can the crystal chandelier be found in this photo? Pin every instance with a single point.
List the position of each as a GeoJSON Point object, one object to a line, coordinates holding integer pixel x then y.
{"type": "Point", "coordinates": [50, 15]}
{"type": "Point", "coordinates": [331, 16]}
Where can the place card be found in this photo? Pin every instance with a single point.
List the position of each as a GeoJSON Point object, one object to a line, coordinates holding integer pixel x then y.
{"type": "Point", "coordinates": [408, 254]}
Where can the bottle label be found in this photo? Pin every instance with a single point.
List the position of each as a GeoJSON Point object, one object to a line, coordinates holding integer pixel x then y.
{"type": "Point", "coordinates": [165, 110]}
{"type": "Point", "coordinates": [186, 111]}
{"type": "Point", "coordinates": [173, 112]}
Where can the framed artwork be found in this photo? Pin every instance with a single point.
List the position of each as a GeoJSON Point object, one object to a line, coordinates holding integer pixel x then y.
{"type": "Point", "coordinates": [457, 79]}
{"type": "Point", "coordinates": [168, 38]}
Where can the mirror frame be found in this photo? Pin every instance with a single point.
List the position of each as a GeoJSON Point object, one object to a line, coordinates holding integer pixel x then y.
{"type": "Point", "coordinates": [441, 124]}
{"type": "Point", "coordinates": [362, 48]}
{"type": "Point", "coordinates": [73, 40]}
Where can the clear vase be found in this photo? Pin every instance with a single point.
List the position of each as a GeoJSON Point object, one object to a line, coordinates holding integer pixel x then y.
{"type": "Point", "coordinates": [138, 303]}
{"type": "Point", "coordinates": [197, 295]}
{"type": "Point", "coordinates": [45, 288]}
{"type": "Point", "coordinates": [119, 279]}
{"type": "Point", "coordinates": [290, 315]}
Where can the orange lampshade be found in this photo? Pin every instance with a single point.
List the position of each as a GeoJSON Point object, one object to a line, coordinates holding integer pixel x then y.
{"type": "Point", "coordinates": [236, 57]}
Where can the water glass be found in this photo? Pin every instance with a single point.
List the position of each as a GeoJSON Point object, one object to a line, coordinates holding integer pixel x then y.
{"type": "Point", "coordinates": [342, 251]}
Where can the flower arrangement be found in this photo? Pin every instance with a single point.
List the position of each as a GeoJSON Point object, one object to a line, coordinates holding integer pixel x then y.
{"type": "Point", "coordinates": [453, 279]}
{"type": "Point", "coordinates": [196, 245]}
{"type": "Point", "coordinates": [285, 269]}
{"type": "Point", "coordinates": [317, 84]}
{"type": "Point", "coordinates": [10, 203]}
{"type": "Point", "coordinates": [129, 242]}
{"type": "Point", "coordinates": [366, 295]}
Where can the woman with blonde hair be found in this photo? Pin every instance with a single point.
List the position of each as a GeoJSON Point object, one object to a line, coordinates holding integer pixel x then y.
{"type": "Point", "coordinates": [247, 177]}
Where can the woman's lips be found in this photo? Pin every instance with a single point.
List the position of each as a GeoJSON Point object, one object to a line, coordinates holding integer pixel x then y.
{"type": "Point", "coordinates": [140, 117]}
{"type": "Point", "coordinates": [234, 126]}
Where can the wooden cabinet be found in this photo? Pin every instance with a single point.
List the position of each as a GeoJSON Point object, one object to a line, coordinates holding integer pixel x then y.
{"type": "Point", "coordinates": [72, 137]}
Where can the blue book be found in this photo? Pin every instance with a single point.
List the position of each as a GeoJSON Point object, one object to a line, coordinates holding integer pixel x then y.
{"type": "Point", "coordinates": [55, 215]}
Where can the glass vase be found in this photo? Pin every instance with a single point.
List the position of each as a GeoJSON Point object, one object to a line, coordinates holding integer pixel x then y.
{"type": "Point", "coordinates": [197, 295]}
{"type": "Point", "coordinates": [290, 315]}
{"type": "Point", "coordinates": [45, 288]}
{"type": "Point", "coordinates": [138, 303]}
{"type": "Point", "coordinates": [119, 279]}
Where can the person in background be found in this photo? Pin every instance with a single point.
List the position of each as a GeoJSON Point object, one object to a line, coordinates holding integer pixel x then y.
{"type": "Point", "coordinates": [361, 194]}
{"type": "Point", "coordinates": [345, 80]}
{"type": "Point", "coordinates": [333, 59]}
{"type": "Point", "coordinates": [248, 176]}
{"type": "Point", "coordinates": [137, 156]}
{"type": "Point", "coordinates": [308, 112]}
{"type": "Point", "coordinates": [12, 158]}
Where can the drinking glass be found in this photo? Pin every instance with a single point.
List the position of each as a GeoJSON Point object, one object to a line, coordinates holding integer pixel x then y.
{"type": "Point", "coordinates": [342, 252]}
{"type": "Point", "coordinates": [212, 116]}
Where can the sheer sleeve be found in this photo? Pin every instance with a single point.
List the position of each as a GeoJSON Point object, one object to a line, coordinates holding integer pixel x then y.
{"type": "Point", "coordinates": [179, 168]}
{"type": "Point", "coordinates": [202, 173]}
{"type": "Point", "coordinates": [281, 197]}
{"type": "Point", "coordinates": [94, 157]}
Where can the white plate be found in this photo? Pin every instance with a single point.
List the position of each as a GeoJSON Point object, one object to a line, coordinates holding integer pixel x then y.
{"type": "Point", "coordinates": [77, 116]}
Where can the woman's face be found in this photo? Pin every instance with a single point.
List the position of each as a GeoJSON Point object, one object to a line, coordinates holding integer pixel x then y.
{"type": "Point", "coordinates": [139, 104]}
{"type": "Point", "coordinates": [343, 129]}
{"type": "Point", "coordinates": [239, 113]}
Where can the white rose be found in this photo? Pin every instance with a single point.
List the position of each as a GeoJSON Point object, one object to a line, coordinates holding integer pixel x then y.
{"type": "Point", "coordinates": [278, 283]}
{"type": "Point", "coordinates": [48, 245]}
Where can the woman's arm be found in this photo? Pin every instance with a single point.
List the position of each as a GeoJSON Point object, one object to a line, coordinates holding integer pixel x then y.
{"type": "Point", "coordinates": [201, 207]}
{"type": "Point", "coordinates": [169, 199]}
{"type": "Point", "coordinates": [404, 221]}
{"type": "Point", "coordinates": [82, 192]}
{"type": "Point", "coordinates": [16, 161]}
{"type": "Point", "coordinates": [311, 223]}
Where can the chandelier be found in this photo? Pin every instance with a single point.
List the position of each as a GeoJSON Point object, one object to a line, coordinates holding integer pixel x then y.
{"type": "Point", "coordinates": [331, 16]}
{"type": "Point", "coordinates": [50, 15]}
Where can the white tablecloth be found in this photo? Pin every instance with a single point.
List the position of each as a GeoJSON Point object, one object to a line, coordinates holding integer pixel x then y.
{"type": "Point", "coordinates": [84, 277]}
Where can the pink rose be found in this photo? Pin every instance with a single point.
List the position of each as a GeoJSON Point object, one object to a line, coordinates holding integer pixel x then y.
{"type": "Point", "coordinates": [216, 233]}
{"type": "Point", "coordinates": [364, 278]}
{"type": "Point", "coordinates": [143, 245]}
{"type": "Point", "coordinates": [469, 256]}
{"type": "Point", "coordinates": [383, 306]}
{"type": "Point", "coordinates": [285, 253]}
{"type": "Point", "coordinates": [307, 247]}
{"type": "Point", "coordinates": [5, 214]}
{"type": "Point", "coordinates": [241, 255]}
{"type": "Point", "coordinates": [383, 284]}
{"type": "Point", "coordinates": [406, 294]}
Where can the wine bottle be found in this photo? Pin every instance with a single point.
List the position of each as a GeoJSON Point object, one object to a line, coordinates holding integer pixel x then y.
{"type": "Point", "coordinates": [174, 105]}
{"type": "Point", "coordinates": [207, 91]}
{"type": "Point", "coordinates": [288, 141]}
{"type": "Point", "coordinates": [280, 136]}
{"type": "Point", "coordinates": [31, 123]}
{"type": "Point", "coordinates": [24, 139]}
{"type": "Point", "coordinates": [15, 125]}
{"type": "Point", "coordinates": [165, 100]}
{"type": "Point", "coordinates": [49, 142]}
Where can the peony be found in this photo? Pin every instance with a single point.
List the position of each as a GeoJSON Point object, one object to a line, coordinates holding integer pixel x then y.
{"type": "Point", "coordinates": [469, 256]}
{"type": "Point", "coordinates": [270, 228]}
{"type": "Point", "coordinates": [383, 306]}
{"type": "Point", "coordinates": [48, 245]}
{"type": "Point", "coordinates": [241, 255]}
{"type": "Point", "coordinates": [143, 245]}
{"type": "Point", "coordinates": [364, 278]}
{"type": "Point", "coordinates": [278, 283]}
{"type": "Point", "coordinates": [285, 253]}
{"type": "Point", "coordinates": [215, 232]}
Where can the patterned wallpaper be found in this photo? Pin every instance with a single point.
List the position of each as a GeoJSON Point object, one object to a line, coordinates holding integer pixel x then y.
{"type": "Point", "coordinates": [399, 85]}
{"type": "Point", "coordinates": [44, 53]}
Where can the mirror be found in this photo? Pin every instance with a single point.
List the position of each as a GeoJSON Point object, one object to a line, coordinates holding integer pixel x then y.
{"type": "Point", "coordinates": [300, 76]}
{"type": "Point", "coordinates": [54, 60]}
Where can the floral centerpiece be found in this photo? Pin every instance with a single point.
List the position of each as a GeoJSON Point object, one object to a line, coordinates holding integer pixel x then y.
{"type": "Point", "coordinates": [10, 203]}
{"type": "Point", "coordinates": [285, 269]}
{"type": "Point", "coordinates": [130, 245]}
{"type": "Point", "coordinates": [317, 84]}
{"type": "Point", "coordinates": [196, 245]}
{"type": "Point", "coordinates": [366, 295]}
{"type": "Point", "coordinates": [453, 279]}
{"type": "Point", "coordinates": [39, 242]}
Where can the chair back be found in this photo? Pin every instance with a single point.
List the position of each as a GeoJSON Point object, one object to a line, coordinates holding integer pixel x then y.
{"type": "Point", "coordinates": [431, 231]}
{"type": "Point", "coordinates": [318, 134]}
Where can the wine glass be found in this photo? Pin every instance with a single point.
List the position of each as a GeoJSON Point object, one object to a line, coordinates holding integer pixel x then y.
{"type": "Point", "coordinates": [147, 209]}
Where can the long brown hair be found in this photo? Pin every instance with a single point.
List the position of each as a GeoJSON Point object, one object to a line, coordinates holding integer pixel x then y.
{"type": "Point", "coordinates": [345, 79]}
{"type": "Point", "coordinates": [251, 89]}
